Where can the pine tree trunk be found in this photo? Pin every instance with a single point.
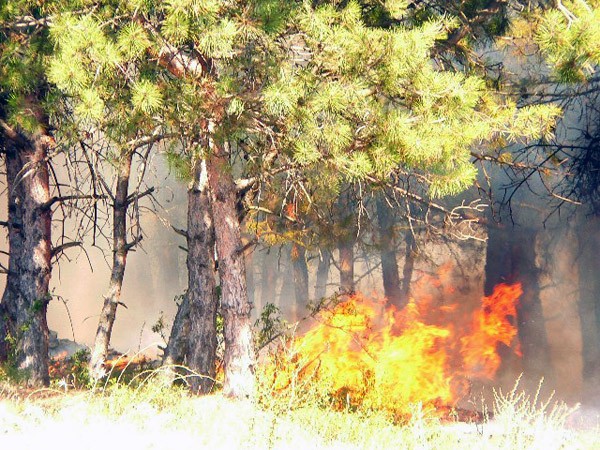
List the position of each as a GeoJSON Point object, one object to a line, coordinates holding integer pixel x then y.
{"type": "Point", "coordinates": [537, 362]}
{"type": "Point", "coordinates": [408, 269]}
{"type": "Point", "coordinates": [346, 251]}
{"type": "Point", "coordinates": [589, 307]}
{"type": "Point", "coordinates": [510, 258]}
{"type": "Point", "coordinates": [120, 251]}
{"type": "Point", "coordinates": [389, 265]}
{"type": "Point", "coordinates": [300, 279]}
{"type": "Point", "coordinates": [322, 274]}
{"type": "Point", "coordinates": [239, 356]}
{"type": "Point", "coordinates": [26, 295]}
{"type": "Point", "coordinates": [202, 294]}
{"type": "Point", "coordinates": [177, 346]}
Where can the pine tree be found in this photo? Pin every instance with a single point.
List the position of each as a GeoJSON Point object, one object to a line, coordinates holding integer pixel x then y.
{"type": "Point", "coordinates": [25, 143]}
{"type": "Point", "coordinates": [338, 93]}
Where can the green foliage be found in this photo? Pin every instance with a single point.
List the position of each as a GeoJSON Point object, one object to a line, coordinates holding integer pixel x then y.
{"type": "Point", "coordinates": [371, 102]}
{"type": "Point", "coordinates": [269, 325]}
{"type": "Point", "coordinates": [570, 39]}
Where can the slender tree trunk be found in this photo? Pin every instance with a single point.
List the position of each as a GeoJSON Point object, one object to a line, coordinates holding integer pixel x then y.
{"type": "Point", "coordinates": [346, 241]}
{"type": "Point", "coordinates": [202, 294]}
{"type": "Point", "coordinates": [389, 265]}
{"type": "Point", "coordinates": [120, 250]}
{"type": "Point", "coordinates": [408, 269]}
{"type": "Point", "coordinates": [346, 251]}
{"type": "Point", "coordinates": [26, 295]}
{"type": "Point", "coordinates": [250, 276]}
{"type": "Point", "coordinates": [239, 356]}
{"type": "Point", "coordinates": [589, 307]}
{"type": "Point", "coordinates": [300, 278]}
{"type": "Point", "coordinates": [322, 274]}
{"type": "Point", "coordinates": [269, 275]}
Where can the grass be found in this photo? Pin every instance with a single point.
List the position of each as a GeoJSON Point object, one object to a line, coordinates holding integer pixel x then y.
{"type": "Point", "coordinates": [146, 414]}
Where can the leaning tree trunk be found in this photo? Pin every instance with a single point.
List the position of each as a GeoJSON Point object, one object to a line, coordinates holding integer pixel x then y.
{"type": "Point", "coordinates": [177, 346]}
{"type": "Point", "coordinates": [589, 307]}
{"type": "Point", "coordinates": [202, 294]}
{"type": "Point", "coordinates": [239, 359]}
{"type": "Point", "coordinates": [26, 295]}
{"type": "Point", "coordinates": [300, 270]}
{"type": "Point", "coordinates": [120, 250]}
{"type": "Point", "coordinates": [389, 265]}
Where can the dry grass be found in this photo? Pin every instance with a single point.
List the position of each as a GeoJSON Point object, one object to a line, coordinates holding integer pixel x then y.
{"type": "Point", "coordinates": [148, 415]}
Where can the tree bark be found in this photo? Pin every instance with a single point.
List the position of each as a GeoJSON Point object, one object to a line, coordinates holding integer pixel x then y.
{"type": "Point", "coordinates": [120, 250]}
{"type": "Point", "coordinates": [589, 307]}
{"type": "Point", "coordinates": [346, 251]}
{"type": "Point", "coordinates": [26, 295]}
{"type": "Point", "coordinates": [389, 265]}
{"type": "Point", "coordinates": [322, 274]}
{"type": "Point", "coordinates": [239, 359]}
{"type": "Point", "coordinates": [177, 346]}
{"type": "Point", "coordinates": [510, 258]}
{"type": "Point", "coordinates": [202, 294]}
{"type": "Point", "coordinates": [537, 362]}
{"type": "Point", "coordinates": [408, 269]}
{"type": "Point", "coordinates": [300, 278]}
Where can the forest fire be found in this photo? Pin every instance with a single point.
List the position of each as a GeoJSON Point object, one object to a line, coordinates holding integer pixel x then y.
{"type": "Point", "coordinates": [371, 354]}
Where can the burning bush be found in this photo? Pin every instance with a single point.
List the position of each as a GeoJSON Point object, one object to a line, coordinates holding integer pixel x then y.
{"type": "Point", "coordinates": [363, 353]}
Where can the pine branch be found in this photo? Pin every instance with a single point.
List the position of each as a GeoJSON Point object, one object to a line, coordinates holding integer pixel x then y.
{"type": "Point", "coordinates": [61, 248]}
{"type": "Point", "coordinates": [66, 198]}
{"type": "Point", "coordinates": [180, 232]}
{"type": "Point", "coordinates": [133, 243]}
{"type": "Point", "coordinates": [176, 60]}
{"type": "Point", "coordinates": [138, 195]}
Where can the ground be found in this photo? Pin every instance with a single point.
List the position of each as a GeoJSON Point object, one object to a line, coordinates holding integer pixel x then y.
{"type": "Point", "coordinates": [154, 417]}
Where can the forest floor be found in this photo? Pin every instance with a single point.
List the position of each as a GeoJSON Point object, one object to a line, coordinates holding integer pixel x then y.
{"type": "Point", "coordinates": [151, 416]}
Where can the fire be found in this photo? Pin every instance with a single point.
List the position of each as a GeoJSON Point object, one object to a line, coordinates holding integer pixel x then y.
{"type": "Point", "coordinates": [371, 354]}
{"type": "Point", "coordinates": [491, 325]}
{"type": "Point", "coordinates": [122, 362]}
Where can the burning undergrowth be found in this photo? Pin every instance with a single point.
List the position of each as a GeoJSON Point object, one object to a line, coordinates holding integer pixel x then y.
{"type": "Point", "coordinates": [363, 353]}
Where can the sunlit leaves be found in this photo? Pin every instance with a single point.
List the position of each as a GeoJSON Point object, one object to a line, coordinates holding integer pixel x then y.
{"type": "Point", "coordinates": [218, 41]}
{"type": "Point", "coordinates": [146, 96]}
{"type": "Point", "coordinates": [570, 40]}
{"type": "Point", "coordinates": [133, 41]}
{"type": "Point", "coordinates": [90, 105]}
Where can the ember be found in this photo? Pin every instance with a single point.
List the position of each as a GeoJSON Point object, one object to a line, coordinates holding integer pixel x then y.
{"type": "Point", "coordinates": [377, 356]}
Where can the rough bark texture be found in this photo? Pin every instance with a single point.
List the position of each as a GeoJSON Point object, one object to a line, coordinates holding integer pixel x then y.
{"type": "Point", "coordinates": [239, 359]}
{"type": "Point", "coordinates": [120, 251]}
{"type": "Point", "coordinates": [26, 296]}
{"type": "Point", "coordinates": [177, 346]}
{"type": "Point", "coordinates": [389, 265]}
{"type": "Point", "coordinates": [322, 274]}
{"type": "Point", "coordinates": [300, 269]}
{"type": "Point", "coordinates": [511, 258]}
{"type": "Point", "coordinates": [202, 295]}
{"type": "Point", "coordinates": [589, 307]}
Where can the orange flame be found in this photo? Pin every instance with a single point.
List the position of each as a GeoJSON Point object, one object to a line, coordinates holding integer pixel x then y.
{"type": "Point", "coordinates": [491, 325]}
{"type": "Point", "coordinates": [123, 361]}
{"type": "Point", "coordinates": [381, 357]}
